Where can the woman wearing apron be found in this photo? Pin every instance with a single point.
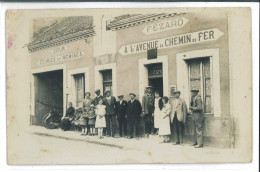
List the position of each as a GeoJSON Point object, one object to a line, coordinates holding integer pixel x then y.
{"type": "Point", "coordinates": [157, 110]}
{"type": "Point", "coordinates": [164, 128]}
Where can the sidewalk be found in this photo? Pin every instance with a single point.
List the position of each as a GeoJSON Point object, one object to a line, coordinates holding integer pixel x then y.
{"type": "Point", "coordinates": [149, 147]}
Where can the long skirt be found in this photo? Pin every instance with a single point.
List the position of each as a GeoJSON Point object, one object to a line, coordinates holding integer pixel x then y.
{"type": "Point", "coordinates": [157, 112]}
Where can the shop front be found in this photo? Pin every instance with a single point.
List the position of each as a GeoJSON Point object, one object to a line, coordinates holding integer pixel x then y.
{"type": "Point", "coordinates": [178, 51]}
{"type": "Point", "coordinates": [61, 64]}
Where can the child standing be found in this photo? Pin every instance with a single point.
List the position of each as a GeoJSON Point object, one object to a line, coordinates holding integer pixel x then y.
{"type": "Point", "coordinates": [91, 120]}
{"type": "Point", "coordinates": [83, 123]}
{"type": "Point", "coordinates": [100, 120]}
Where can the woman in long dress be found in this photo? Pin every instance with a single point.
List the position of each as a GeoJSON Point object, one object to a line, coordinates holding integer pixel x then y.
{"type": "Point", "coordinates": [157, 110]}
{"type": "Point", "coordinates": [164, 128]}
{"type": "Point", "coordinates": [100, 117]}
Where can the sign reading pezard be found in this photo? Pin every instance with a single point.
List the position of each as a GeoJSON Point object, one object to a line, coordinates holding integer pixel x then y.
{"type": "Point", "coordinates": [172, 41]}
{"type": "Point", "coordinates": [165, 25]}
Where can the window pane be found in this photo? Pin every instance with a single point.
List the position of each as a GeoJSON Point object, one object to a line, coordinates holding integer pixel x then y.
{"type": "Point", "coordinates": [195, 84]}
{"type": "Point", "coordinates": [80, 85]}
{"type": "Point", "coordinates": [207, 87]}
{"type": "Point", "coordinates": [208, 105]}
{"type": "Point", "coordinates": [206, 67]}
{"type": "Point", "coordinates": [107, 75]}
{"type": "Point", "coordinates": [195, 69]}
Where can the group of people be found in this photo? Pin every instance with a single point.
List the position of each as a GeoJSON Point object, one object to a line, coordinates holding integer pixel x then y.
{"type": "Point", "coordinates": [162, 116]}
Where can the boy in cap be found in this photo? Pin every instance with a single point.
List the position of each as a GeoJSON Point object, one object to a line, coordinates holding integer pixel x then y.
{"type": "Point", "coordinates": [197, 117]}
{"type": "Point", "coordinates": [121, 115]}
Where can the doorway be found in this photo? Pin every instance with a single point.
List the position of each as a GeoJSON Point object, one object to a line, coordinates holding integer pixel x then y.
{"type": "Point", "coordinates": [48, 93]}
{"type": "Point", "coordinates": [155, 77]}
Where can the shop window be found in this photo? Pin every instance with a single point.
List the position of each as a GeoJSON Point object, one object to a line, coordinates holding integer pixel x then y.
{"type": "Point", "coordinates": [200, 78]}
{"type": "Point", "coordinates": [80, 88]}
{"type": "Point", "coordinates": [107, 80]}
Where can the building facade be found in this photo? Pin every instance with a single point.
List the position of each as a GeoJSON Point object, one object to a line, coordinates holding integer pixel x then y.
{"type": "Point", "coordinates": [168, 51]}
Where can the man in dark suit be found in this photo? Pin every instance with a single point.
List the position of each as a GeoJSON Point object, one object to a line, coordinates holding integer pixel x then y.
{"type": "Point", "coordinates": [121, 106]}
{"type": "Point", "coordinates": [95, 101]}
{"type": "Point", "coordinates": [178, 117]}
{"type": "Point", "coordinates": [134, 111]}
{"type": "Point", "coordinates": [147, 110]}
{"type": "Point", "coordinates": [110, 103]}
{"type": "Point", "coordinates": [197, 117]}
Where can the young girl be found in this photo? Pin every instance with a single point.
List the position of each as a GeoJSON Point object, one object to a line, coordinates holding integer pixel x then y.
{"type": "Point", "coordinates": [83, 123]}
{"type": "Point", "coordinates": [100, 119]}
{"type": "Point", "coordinates": [164, 127]}
{"type": "Point", "coordinates": [91, 120]}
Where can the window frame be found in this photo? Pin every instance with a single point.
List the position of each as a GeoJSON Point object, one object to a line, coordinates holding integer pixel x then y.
{"type": "Point", "coordinates": [202, 79]}
{"type": "Point", "coordinates": [182, 76]}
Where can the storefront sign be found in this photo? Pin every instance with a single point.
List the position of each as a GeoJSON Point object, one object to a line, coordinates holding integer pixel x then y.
{"type": "Point", "coordinates": [165, 25]}
{"type": "Point", "coordinates": [172, 41]}
{"type": "Point", "coordinates": [61, 58]}
{"type": "Point", "coordinates": [155, 71]}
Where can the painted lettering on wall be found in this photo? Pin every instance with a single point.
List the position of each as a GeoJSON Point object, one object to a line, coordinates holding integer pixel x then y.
{"type": "Point", "coordinates": [172, 41]}
{"type": "Point", "coordinates": [165, 25]}
{"type": "Point", "coordinates": [61, 58]}
{"type": "Point", "coordinates": [59, 49]}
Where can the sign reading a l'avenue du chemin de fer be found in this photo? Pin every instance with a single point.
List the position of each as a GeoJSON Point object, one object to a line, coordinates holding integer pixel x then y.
{"type": "Point", "coordinates": [172, 41]}
{"type": "Point", "coordinates": [165, 25]}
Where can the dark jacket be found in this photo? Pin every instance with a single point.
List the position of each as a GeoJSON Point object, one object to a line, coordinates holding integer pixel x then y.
{"type": "Point", "coordinates": [148, 104]}
{"type": "Point", "coordinates": [70, 112]}
{"type": "Point", "coordinates": [134, 109]}
{"type": "Point", "coordinates": [197, 111]}
{"type": "Point", "coordinates": [95, 101]}
{"type": "Point", "coordinates": [110, 105]}
{"type": "Point", "coordinates": [121, 109]}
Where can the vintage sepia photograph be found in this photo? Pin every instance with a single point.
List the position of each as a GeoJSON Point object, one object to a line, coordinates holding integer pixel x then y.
{"type": "Point", "coordinates": [129, 86]}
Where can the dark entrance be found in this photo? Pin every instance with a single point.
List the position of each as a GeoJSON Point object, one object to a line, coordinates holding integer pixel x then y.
{"type": "Point", "coordinates": [48, 94]}
{"type": "Point", "coordinates": [155, 77]}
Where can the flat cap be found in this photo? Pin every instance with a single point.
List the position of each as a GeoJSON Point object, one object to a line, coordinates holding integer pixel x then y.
{"type": "Point", "coordinates": [132, 94]}
{"type": "Point", "coordinates": [177, 91]}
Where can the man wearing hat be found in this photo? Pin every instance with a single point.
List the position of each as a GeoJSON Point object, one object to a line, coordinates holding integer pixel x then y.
{"type": "Point", "coordinates": [121, 115]}
{"type": "Point", "coordinates": [148, 109]}
{"type": "Point", "coordinates": [110, 103]}
{"type": "Point", "coordinates": [133, 112]}
{"type": "Point", "coordinates": [197, 117]}
{"type": "Point", "coordinates": [97, 92]}
{"type": "Point", "coordinates": [178, 117]}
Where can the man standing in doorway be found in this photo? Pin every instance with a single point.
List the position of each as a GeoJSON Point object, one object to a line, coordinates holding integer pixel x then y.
{"type": "Point", "coordinates": [147, 110]}
{"type": "Point", "coordinates": [133, 112]}
{"type": "Point", "coordinates": [178, 117]}
{"type": "Point", "coordinates": [110, 103]}
{"type": "Point", "coordinates": [197, 117]}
